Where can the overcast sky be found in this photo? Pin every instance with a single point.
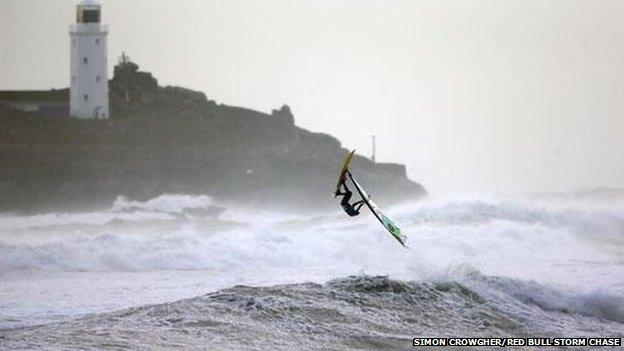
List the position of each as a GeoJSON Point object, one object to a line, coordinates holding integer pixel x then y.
{"type": "Point", "coordinates": [471, 95]}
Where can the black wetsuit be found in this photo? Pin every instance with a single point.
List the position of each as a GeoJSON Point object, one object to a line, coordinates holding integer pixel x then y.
{"type": "Point", "coordinates": [351, 210]}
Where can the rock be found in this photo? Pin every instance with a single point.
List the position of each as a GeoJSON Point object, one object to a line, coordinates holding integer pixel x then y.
{"type": "Point", "coordinates": [284, 114]}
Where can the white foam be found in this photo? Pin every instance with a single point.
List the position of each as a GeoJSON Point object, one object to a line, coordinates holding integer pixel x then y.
{"type": "Point", "coordinates": [168, 203]}
{"type": "Point", "coordinates": [510, 237]}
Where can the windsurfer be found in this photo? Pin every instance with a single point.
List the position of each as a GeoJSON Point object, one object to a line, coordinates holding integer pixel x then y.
{"type": "Point", "coordinates": [351, 209]}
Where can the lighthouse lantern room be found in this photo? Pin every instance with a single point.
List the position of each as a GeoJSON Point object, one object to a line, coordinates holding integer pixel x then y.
{"type": "Point", "coordinates": [88, 63]}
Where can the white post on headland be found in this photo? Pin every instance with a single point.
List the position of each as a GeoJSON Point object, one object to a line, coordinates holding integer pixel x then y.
{"type": "Point", "coordinates": [373, 157]}
{"type": "Point", "coordinates": [88, 96]}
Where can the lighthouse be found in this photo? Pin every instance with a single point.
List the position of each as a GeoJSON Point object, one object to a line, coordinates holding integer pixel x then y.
{"type": "Point", "coordinates": [88, 64]}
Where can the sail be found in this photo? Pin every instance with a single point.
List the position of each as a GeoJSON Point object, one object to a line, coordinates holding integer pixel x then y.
{"type": "Point", "coordinates": [385, 221]}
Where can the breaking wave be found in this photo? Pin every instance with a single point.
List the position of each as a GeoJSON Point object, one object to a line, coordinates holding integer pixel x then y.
{"type": "Point", "coordinates": [164, 204]}
{"type": "Point", "coordinates": [162, 207]}
{"type": "Point", "coordinates": [357, 312]}
{"type": "Point", "coordinates": [492, 235]}
{"type": "Point", "coordinates": [598, 303]}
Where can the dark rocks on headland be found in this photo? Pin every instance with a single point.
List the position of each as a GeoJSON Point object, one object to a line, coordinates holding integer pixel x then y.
{"type": "Point", "coordinates": [174, 140]}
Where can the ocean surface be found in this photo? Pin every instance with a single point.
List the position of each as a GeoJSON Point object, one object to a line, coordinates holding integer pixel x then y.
{"type": "Point", "coordinates": [180, 271]}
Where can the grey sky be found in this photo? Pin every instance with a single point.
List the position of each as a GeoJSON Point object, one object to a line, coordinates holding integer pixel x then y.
{"type": "Point", "coordinates": [471, 95]}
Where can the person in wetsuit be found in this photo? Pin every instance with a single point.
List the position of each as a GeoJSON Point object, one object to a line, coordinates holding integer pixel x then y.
{"type": "Point", "coordinates": [351, 210]}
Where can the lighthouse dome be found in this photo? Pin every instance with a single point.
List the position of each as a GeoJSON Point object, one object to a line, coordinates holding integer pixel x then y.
{"type": "Point", "coordinates": [89, 3]}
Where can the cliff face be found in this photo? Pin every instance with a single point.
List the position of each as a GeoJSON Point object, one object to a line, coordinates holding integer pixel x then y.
{"type": "Point", "coordinates": [174, 140]}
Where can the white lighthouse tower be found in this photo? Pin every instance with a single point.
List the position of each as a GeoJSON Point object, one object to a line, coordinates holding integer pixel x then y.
{"type": "Point", "coordinates": [89, 73]}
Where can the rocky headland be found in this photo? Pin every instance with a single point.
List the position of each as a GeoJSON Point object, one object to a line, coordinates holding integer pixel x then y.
{"type": "Point", "coordinates": [174, 140]}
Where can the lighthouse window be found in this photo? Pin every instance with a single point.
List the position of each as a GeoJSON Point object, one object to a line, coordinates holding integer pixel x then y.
{"type": "Point", "coordinates": [85, 60]}
{"type": "Point", "coordinates": [97, 79]}
{"type": "Point", "coordinates": [97, 41]}
{"type": "Point", "coordinates": [86, 97]}
{"type": "Point", "coordinates": [88, 15]}
{"type": "Point", "coordinates": [73, 78]}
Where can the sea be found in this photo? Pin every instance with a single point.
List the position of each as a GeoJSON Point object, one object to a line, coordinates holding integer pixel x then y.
{"type": "Point", "coordinates": [185, 272]}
